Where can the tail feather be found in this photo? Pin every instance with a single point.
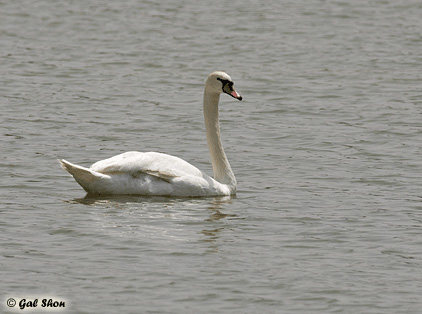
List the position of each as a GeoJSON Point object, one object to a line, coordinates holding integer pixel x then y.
{"type": "Point", "coordinates": [86, 178]}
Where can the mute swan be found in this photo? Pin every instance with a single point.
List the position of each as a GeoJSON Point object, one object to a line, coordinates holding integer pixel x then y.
{"type": "Point", "coordinates": [161, 174]}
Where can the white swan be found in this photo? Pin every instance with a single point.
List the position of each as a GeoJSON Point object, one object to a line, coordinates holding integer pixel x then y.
{"type": "Point", "coordinates": [161, 174]}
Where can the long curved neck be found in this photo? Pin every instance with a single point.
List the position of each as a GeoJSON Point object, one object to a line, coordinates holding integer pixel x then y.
{"type": "Point", "coordinates": [222, 171]}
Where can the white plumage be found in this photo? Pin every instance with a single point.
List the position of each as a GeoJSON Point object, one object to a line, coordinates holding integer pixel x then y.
{"type": "Point", "coordinates": [154, 173]}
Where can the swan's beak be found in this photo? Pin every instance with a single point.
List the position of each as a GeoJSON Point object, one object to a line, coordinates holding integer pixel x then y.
{"type": "Point", "coordinates": [236, 95]}
{"type": "Point", "coordinates": [231, 91]}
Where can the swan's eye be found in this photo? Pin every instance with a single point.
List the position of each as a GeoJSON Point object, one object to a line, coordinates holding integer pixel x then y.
{"type": "Point", "coordinates": [225, 82]}
{"type": "Point", "coordinates": [222, 81]}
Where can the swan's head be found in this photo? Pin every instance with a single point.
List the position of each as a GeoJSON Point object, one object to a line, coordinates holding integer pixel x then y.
{"type": "Point", "coordinates": [220, 82]}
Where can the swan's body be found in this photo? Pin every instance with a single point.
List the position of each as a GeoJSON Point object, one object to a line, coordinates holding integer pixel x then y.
{"type": "Point", "coordinates": [153, 173]}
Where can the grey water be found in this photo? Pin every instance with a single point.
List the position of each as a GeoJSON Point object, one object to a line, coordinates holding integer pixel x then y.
{"type": "Point", "coordinates": [325, 146]}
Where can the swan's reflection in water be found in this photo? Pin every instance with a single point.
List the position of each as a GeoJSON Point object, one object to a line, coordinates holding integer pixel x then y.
{"type": "Point", "coordinates": [115, 200]}
{"type": "Point", "coordinates": [212, 235]}
{"type": "Point", "coordinates": [214, 203]}
{"type": "Point", "coordinates": [183, 210]}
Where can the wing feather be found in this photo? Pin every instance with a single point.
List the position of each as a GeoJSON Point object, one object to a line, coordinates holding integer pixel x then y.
{"type": "Point", "coordinates": [159, 165]}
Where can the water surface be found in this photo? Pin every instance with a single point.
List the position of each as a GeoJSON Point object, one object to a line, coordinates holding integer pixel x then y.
{"type": "Point", "coordinates": [326, 148]}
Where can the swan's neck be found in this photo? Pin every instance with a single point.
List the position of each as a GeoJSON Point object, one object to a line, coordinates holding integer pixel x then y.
{"type": "Point", "coordinates": [222, 171]}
